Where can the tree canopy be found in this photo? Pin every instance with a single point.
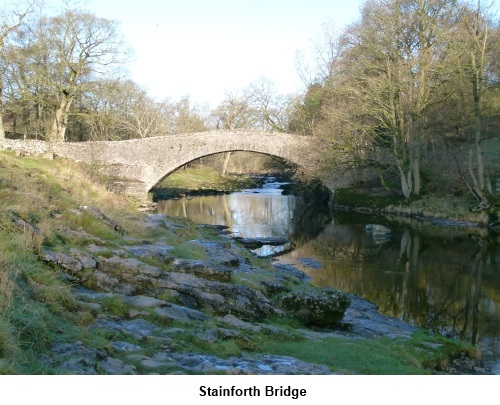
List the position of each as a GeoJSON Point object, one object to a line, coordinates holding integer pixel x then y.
{"type": "Point", "coordinates": [407, 79]}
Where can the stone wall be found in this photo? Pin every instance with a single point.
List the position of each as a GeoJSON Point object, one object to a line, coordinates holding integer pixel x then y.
{"type": "Point", "coordinates": [24, 147]}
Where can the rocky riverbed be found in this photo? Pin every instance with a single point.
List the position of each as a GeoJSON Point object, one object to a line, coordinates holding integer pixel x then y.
{"type": "Point", "coordinates": [155, 309]}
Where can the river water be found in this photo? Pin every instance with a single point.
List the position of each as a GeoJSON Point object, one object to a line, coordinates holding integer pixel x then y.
{"type": "Point", "coordinates": [445, 279]}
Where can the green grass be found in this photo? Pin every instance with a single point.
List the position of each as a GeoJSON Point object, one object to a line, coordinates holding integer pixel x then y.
{"type": "Point", "coordinates": [116, 306]}
{"type": "Point", "coordinates": [374, 356]}
{"type": "Point", "coordinates": [37, 307]}
{"type": "Point", "coordinates": [349, 357]}
{"type": "Point", "coordinates": [458, 209]}
{"type": "Point", "coordinates": [198, 180]}
{"type": "Point", "coordinates": [190, 251]}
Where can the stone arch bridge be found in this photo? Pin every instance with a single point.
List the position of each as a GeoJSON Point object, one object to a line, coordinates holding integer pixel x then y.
{"type": "Point", "coordinates": [137, 165]}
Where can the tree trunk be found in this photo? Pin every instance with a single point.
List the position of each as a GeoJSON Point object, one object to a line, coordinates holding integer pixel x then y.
{"type": "Point", "coordinates": [417, 181]}
{"type": "Point", "coordinates": [477, 141]}
{"type": "Point", "coordinates": [415, 156]}
{"type": "Point", "coordinates": [478, 179]}
{"type": "Point", "coordinates": [224, 165]}
{"type": "Point", "coordinates": [405, 185]}
{"type": "Point", "coordinates": [476, 189]}
{"type": "Point", "coordinates": [2, 130]}
{"type": "Point", "coordinates": [60, 122]}
{"type": "Point", "coordinates": [409, 163]}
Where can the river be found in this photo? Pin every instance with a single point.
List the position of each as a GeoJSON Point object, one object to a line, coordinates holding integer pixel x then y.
{"type": "Point", "coordinates": [444, 279]}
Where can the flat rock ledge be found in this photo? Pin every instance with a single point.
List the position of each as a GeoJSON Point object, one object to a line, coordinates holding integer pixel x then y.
{"type": "Point", "coordinates": [78, 359]}
{"type": "Point", "coordinates": [159, 308]}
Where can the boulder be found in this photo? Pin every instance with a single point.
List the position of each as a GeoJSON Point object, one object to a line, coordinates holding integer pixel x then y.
{"type": "Point", "coordinates": [216, 298]}
{"type": "Point", "coordinates": [234, 322]}
{"type": "Point", "coordinates": [133, 277]}
{"type": "Point", "coordinates": [76, 358]}
{"type": "Point", "coordinates": [153, 221]}
{"type": "Point", "coordinates": [165, 309]}
{"type": "Point", "coordinates": [144, 301]}
{"type": "Point", "coordinates": [273, 287]}
{"type": "Point", "coordinates": [104, 281]}
{"type": "Point", "coordinates": [79, 235]}
{"type": "Point", "coordinates": [316, 307]}
{"type": "Point", "coordinates": [378, 232]}
{"type": "Point", "coordinates": [180, 313]}
{"type": "Point", "coordinates": [98, 214]}
{"type": "Point", "coordinates": [97, 249]}
{"type": "Point", "coordinates": [25, 226]}
{"type": "Point", "coordinates": [127, 269]}
{"type": "Point", "coordinates": [290, 272]}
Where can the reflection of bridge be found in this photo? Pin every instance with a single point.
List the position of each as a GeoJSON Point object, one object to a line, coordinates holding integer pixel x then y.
{"type": "Point", "coordinates": [137, 165]}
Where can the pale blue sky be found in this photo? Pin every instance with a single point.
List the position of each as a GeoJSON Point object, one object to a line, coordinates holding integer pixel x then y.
{"type": "Point", "coordinates": [203, 48]}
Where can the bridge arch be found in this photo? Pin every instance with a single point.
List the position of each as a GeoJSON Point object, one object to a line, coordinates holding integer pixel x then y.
{"type": "Point", "coordinates": [139, 164]}
{"type": "Point", "coordinates": [162, 176]}
{"type": "Point", "coordinates": [168, 157]}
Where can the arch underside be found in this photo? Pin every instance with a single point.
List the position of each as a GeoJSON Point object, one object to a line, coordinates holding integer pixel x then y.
{"type": "Point", "coordinates": [172, 167]}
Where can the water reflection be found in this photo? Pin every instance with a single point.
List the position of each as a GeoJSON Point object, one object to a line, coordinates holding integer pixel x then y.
{"type": "Point", "coordinates": [254, 213]}
{"type": "Point", "coordinates": [444, 280]}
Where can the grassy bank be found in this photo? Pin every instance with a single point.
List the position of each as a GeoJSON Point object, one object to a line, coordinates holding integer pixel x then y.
{"type": "Point", "coordinates": [428, 206]}
{"type": "Point", "coordinates": [39, 208]}
{"type": "Point", "coordinates": [37, 307]}
{"type": "Point", "coordinates": [201, 180]}
{"type": "Point", "coordinates": [378, 356]}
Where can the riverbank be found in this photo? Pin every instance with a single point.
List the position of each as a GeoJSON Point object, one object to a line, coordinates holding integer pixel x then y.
{"type": "Point", "coordinates": [440, 211]}
{"type": "Point", "coordinates": [202, 180]}
{"type": "Point", "coordinates": [91, 286]}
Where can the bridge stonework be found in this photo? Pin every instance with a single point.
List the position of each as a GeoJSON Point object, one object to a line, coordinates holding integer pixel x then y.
{"type": "Point", "coordinates": [137, 165]}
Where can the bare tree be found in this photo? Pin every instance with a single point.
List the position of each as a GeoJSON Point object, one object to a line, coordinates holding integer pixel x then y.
{"type": "Point", "coordinates": [79, 46]}
{"type": "Point", "coordinates": [319, 65]}
{"type": "Point", "coordinates": [386, 75]}
{"type": "Point", "coordinates": [139, 114]}
{"type": "Point", "coordinates": [272, 109]}
{"type": "Point", "coordinates": [476, 47]}
{"type": "Point", "coordinates": [186, 117]}
{"type": "Point", "coordinates": [11, 18]}
{"type": "Point", "coordinates": [234, 112]}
